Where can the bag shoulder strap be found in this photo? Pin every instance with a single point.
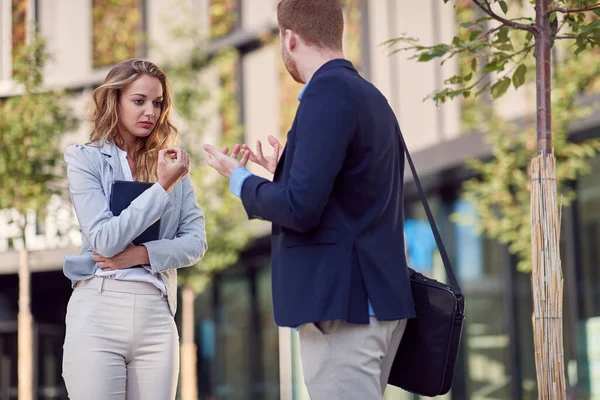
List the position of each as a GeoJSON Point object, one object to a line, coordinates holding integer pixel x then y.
{"type": "Point", "coordinates": [438, 239]}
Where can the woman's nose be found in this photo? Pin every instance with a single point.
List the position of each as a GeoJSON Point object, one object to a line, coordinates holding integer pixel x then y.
{"type": "Point", "coordinates": [149, 112]}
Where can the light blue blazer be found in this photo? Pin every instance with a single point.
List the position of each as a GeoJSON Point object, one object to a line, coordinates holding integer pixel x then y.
{"type": "Point", "coordinates": [91, 169]}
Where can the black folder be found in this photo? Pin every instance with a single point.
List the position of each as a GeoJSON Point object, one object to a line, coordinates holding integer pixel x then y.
{"type": "Point", "coordinates": [121, 196]}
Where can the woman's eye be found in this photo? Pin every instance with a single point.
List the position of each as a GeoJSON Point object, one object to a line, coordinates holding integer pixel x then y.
{"type": "Point", "coordinates": [139, 102]}
{"type": "Point", "coordinates": [158, 104]}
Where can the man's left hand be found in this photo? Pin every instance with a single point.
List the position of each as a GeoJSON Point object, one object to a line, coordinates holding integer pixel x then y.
{"type": "Point", "coordinates": [223, 163]}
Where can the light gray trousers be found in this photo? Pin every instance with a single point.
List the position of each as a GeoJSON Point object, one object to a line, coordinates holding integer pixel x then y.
{"type": "Point", "coordinates": [121, 342]}
{"type": "Point", "coordinates": [342, 361]}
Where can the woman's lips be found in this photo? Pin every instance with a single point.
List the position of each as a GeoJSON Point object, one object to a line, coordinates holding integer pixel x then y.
{"type": "Point", "coordinates": [146, 124]}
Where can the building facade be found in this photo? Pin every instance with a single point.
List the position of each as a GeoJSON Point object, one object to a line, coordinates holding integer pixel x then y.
{"type": "Point", "coordinates": [241, 353]}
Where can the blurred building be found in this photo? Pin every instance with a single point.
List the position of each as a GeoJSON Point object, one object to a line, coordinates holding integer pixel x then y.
{"type": "Point", "coordinates": [241, 353]}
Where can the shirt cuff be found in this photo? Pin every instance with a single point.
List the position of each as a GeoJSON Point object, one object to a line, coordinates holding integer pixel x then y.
{"type": "Point", "coordinates": [238, 176]}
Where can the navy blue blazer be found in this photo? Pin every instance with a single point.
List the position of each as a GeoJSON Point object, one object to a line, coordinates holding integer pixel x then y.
{"type": "Point", "coordinates": [336, 206]}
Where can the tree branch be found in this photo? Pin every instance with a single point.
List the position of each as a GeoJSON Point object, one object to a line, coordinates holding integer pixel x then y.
{"type": "Point", "coordinates": [576, 10]}
{"type": "Point", "coordinates": [591, 37]}
{"type": "Point", "coordinates": [485, 6]}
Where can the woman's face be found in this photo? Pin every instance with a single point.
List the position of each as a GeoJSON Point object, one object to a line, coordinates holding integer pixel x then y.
{"type": "Point", "coordinates": [140, 107]}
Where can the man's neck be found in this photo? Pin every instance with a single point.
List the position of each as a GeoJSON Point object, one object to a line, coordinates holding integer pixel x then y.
{"type": "Point", "coordinates": [316, 61]}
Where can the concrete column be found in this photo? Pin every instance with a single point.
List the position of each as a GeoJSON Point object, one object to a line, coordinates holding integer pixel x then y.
{"type": "Point", "coordinates": [259, 83]}
{"type": "Point", "coordinates": [257, 13]}
{"type": "Point", "coordinates": [5, 40]}
{"type": "Point", "coordinates": [380, 31]}
{"type": "Point", "coordinates": [450, 112]}
{"type": "Point", "coordinates": [67, 27]}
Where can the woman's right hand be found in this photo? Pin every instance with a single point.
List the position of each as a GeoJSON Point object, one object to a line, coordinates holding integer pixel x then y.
{"type": "Point", "coordinates": [173, 166]}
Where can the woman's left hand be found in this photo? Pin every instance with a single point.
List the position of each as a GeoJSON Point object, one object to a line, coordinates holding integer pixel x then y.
{"type": "Point", "coordinates": [131, 256]}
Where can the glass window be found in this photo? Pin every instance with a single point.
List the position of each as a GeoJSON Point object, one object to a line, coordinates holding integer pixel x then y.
{"type": "Point", "coordinates": [223, 17]}
{"type": "Point", "coordinates": [289, 90]}
{"type": "Point", "coordinates": [19, 25]}
{"type": "Point", "coordinates": [465, 12]}
{"type": "Point", "coordinates": [233, 338]}
{"type": "Point", "coordinates": [487, 343]}
{"type": "Point", "coordinates": [480, 265]}
{"type": "Point", "coordinates": [229, 107]}
{"type": "Point", "coordinates": [116, 31]}
{"type": "Point", "coordinates": [8, 360]}
{"type": "Point", "coordinates": [589, 211]}
{"type": "Point", "coordinates": [352, 31]}
{"type": "Point", "coordinates": [205, 339]}
{"type": "Point", "coordinates": [50, 339]}
{"type": "Point", "coordinates": [589, 282]}
{"type": "Point", "coordinates": [269, 335]}
{"type": "Point", "coordinates": [423, 254]}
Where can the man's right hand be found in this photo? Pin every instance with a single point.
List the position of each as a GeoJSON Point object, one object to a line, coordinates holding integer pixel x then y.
{"type": "Point", "coordinates": [267, 162]}
{"type": "Point", "coordinates": [173, 166]}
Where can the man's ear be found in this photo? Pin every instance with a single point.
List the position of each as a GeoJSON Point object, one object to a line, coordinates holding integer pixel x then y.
{"type": "Point", "coordinates": [290, 40]}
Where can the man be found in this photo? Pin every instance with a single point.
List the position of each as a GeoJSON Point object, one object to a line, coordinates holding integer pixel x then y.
{"type": "Point", "coordinates": [339, 268]}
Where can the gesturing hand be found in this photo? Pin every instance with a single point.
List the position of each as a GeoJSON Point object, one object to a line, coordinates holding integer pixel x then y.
{"type": "Point", "coordinates": [173, 165]}
{"type": "Point", "coordinates": [267, 162]}
{"type": "Point", "coordinates": [221, 162]}
{"type": "Point", "coordinates": [131, 256]}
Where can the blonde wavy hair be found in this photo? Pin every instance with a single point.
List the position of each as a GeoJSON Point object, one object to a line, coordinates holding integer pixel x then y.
{"type": "Point", "coordinates": [105, 116]}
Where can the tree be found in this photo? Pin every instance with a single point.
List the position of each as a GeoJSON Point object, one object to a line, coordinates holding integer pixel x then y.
{"type": "Point", "coordinates": [507, 45]}
{"type": "Point", "coordinates": [116, 31]}
{"type": "Point", "coordinates": [227, 235]}
{"type": "Point", "coordinates": [31, 125]}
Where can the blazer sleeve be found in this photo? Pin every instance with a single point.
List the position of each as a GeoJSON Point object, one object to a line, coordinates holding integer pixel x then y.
{"type": "Point", "coordinates": [108, 235]}
{"type": "Point", "coordinates": [326, 124]}
{"type": "Point", "coordinates": [189, 244]}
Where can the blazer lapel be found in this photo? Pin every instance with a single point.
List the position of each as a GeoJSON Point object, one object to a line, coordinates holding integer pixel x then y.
{"type": "Point", "coordinates": [109, 152]}
{"type": "Point", "coordinates": [279, 166]}
{"type": "Point", "coordinates": [290, 139]}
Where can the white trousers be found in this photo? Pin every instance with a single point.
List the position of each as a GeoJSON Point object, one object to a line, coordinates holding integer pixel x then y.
{"type": "Point", "coordinates": [121, 342]}
{"type": "Point", "coordinates": [342, 361]}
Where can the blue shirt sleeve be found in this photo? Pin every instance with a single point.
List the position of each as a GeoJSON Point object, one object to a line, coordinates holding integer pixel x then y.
{"type": "Point", "coordinates": [238, 176]}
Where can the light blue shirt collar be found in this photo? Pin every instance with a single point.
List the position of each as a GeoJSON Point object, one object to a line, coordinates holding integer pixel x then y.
{"type": "Point", "coordinates": [303, 90]}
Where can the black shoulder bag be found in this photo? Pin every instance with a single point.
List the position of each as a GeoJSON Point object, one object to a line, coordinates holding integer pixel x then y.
{"type": "Point", "coordinates": [425, 361]}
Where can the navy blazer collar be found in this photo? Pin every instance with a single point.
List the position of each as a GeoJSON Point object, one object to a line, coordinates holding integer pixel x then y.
{"type": "Point", "coordinates": [337, 63]}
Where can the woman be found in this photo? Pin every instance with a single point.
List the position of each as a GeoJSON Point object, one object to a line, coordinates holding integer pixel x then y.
{"type": "Point", "coordinates": [121, 339]}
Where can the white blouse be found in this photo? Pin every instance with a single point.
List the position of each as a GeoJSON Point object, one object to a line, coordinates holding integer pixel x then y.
{"type": "Point", "coordinates": [132, 274]}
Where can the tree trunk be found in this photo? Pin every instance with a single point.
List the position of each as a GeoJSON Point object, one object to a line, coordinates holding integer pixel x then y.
{"type": "Point", "coordinates": [547, 280]}
{"type": "Point", "coordinates": [25, 329]}
{"type": "Point", "coordinates": [189, 380]}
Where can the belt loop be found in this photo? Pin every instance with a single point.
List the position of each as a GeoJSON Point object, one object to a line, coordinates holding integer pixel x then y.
{"type": "Point", "coordinates": [101, 283]}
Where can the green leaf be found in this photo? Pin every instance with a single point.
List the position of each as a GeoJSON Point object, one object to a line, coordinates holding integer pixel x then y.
{"type": "Point", "coordinates": [581, 48]}
{"type": "Point", "coordinates": [500, 87]}
{"type": "Point", "coordinates": [494, 65]}
{"type": "Point", "coordinates": [503, 6]}
{"type": "Point", "coordinates": [474, 34]}
{"type": "Point", "coordinates": [425, 57]}
{"type": "Point", "coordinates": [519, 76]}
{"type": "Point", "coordinates": [503, 34]}
{"type": "Point", "coordinates": [474, 64]}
